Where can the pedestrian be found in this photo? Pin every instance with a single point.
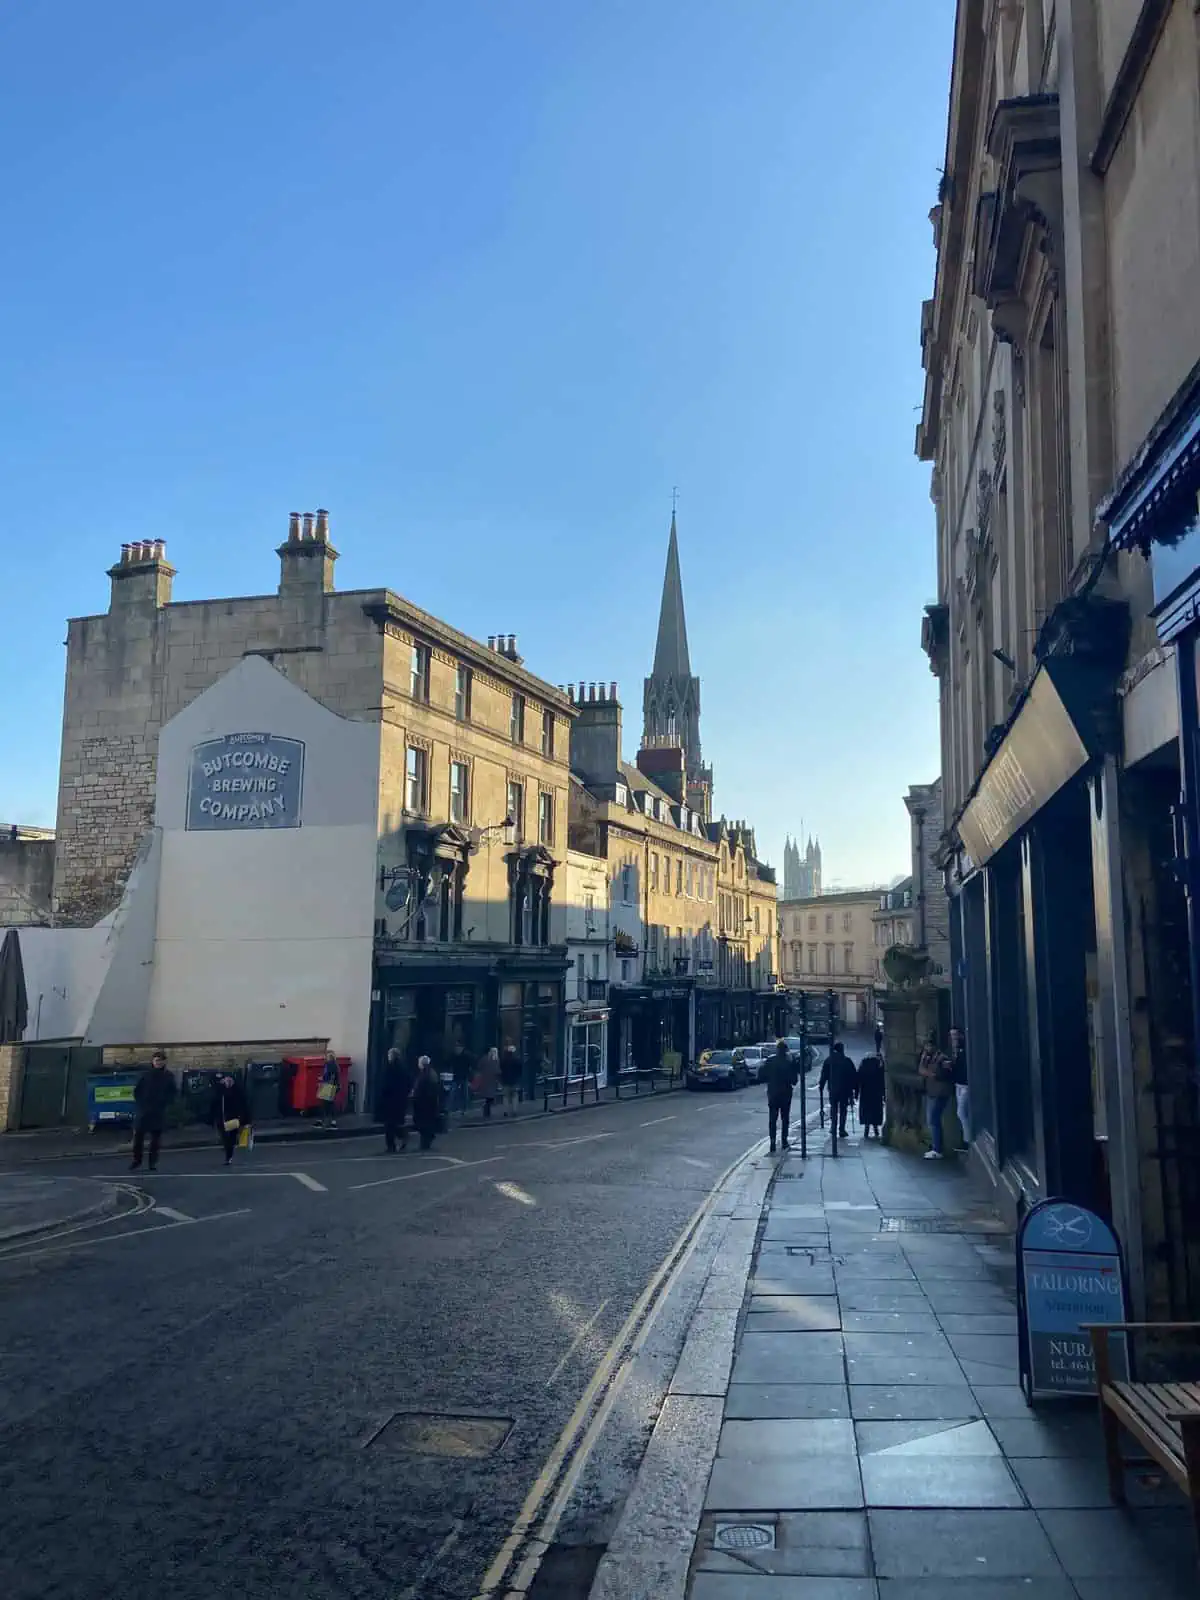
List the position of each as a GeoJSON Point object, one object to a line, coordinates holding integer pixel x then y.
{"type": "Point", "coordinates": [487, 1079]}
{"type": "Point", "coordinates": [938, 1075]}
{"type": "Point", "coordinates": [426, 1102]}
{"type": "Point", "coordinates": [462, 1067]}
{"type": "Point", "coordinates": [962, 1092]}
{"type": "Point", "coordinates": [154, 1093]}
{"type": "Point", "coordinates": [327, 1092]}
{"type": "Point", "coordinates": [782, 1075]}
{"type": "Point", "coordinates": [878, 1043]}
{"type": "Point", "coordinates": [510, 1080]}
{"type": "Point", "coordinates": [230, 1112]}
{"type": "Point", "coordinates": [395, 1087]}
{"type": "Point", "coordinates": [841, 1080]}
{"type": "Point", "coordinates": [871, 1094]}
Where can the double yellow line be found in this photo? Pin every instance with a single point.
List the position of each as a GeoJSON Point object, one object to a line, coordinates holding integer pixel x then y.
{"type": "Point", "coordinates": [533, 1532]}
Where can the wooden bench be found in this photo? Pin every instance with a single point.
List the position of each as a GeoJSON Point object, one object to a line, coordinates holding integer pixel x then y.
{"type": "Point", "coordinates": [1164, 1418]}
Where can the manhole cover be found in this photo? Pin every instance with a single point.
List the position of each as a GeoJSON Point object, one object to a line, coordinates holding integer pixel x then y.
{"type": "Point", "coordinates": [744, 1536]}
{"type": "Point", "coordinates": [461, 1435]}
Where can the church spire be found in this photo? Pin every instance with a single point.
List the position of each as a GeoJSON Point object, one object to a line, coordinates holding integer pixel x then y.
{"type": "Point", "coordinates": [671, 650]}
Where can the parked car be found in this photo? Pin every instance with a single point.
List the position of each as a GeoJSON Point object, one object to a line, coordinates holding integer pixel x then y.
{"type": "Point", "coordinates": [719, 1069]}
{"type": "Point", "coordinates": [755, 1057]}
{"type": "Point", "coordinates": [802, 1054]}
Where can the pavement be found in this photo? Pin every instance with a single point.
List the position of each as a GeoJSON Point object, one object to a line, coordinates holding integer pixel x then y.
{"type": "Point", "coordinates": [863, 1437]}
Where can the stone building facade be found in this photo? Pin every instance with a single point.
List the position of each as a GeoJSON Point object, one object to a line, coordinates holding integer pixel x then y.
{"type": "Point", "coordinates": [931, 903]}
{"type": "Point", "coordinates": [828, 942]}
{"type": "Point", "coordinates": [26, 874]}
{"type": "Point", "coordinates": [1060, 350]}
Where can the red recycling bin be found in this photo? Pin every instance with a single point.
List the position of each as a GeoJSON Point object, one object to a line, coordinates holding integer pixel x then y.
{"type": "Point", "coordinates": [304, 1075]}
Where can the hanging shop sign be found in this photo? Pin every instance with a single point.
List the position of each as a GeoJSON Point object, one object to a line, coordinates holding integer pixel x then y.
{"type": "Point", "coordinates": [1041, 752]}
{"type": "Point", "coordinates": [1069, 1274]}
{"type": "Point", "coordinates": [245, 780]}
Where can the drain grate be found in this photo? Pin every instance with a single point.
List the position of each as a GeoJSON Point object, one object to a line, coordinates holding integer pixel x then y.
{"type": "Point", "coordinates": [453, 1435]}
{"type": "Point", "coordinates": [782, 1177]}
{"type": "Point", "coordinates": [744, 1536]}
{"type": "Point", "coordinates": [985, 1227]}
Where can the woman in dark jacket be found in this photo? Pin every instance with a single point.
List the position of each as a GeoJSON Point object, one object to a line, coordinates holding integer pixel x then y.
{"type": "Point", "coordinates": [230, 1113]}
{"type": "Point", "coordinates": [871, 1087]}
{"type": "Point", "coordinates": [426, 1102]}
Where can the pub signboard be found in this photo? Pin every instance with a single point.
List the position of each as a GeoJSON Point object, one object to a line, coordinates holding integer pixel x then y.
{"type": "Point", "coordinates": [245, 780]}
{"type": "Point", "coordinates": [1069, 1274]}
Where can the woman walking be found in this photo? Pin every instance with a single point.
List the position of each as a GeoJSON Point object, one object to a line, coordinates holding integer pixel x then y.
{"type": "Point", "coordinates": [394, 1090]}
{"type": "Point", "coordinates": [510, 1080]}
{"type": "Point", "coordinates": [230, 1113]}
{"type": "Point", "coordinates": [487, 1079]}
{"type": "Point", "coordinates": [426, 1102]}
{"type": "Point", "coordinates": [871, 1087]}
{"type": "Point", "coordinates": [328, 1090]}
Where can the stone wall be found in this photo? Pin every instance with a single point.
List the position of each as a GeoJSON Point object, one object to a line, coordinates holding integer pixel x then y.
{"type": "Point", "coordinates": [208, 1057]}
{"type": "Point", "coordinates": [12, 1060]}
{"type": "Point", "coordinates": [133, 668]}
{"type": "Point", "coordinates": [26, 877]}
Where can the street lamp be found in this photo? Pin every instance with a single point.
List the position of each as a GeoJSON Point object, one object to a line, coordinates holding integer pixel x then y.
{"type": "Point", "coordinates": [508, 828]}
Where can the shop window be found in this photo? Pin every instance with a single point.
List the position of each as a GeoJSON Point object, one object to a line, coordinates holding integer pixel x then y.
{"type": "Point", "coordinates": [416, 790]}
{"type": "Point", "coordinates": [462, 693]}
{"type": "Point", "coordinates": [545, 818]}
{"type": "Point", "coordinates": [516, 808]}
{"type": "Point", "coordinates": [516, 720]}
{"type": "Point", "coordinates": [548, 734]}
{"type": "Point", "coordinates": [419, 673]}
{"type": "Point", "coordinates": [460, 797]}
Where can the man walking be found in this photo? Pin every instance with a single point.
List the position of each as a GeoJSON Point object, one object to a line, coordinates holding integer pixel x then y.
{"type": "Point", "coordinates": [782, 1073]}
{"type": "Point", "coordinates": [841, 1080]}
{"type": "Point", "coordinates": [395, 1087]}
{"type": "Point", "coordinates": [154, 1092]}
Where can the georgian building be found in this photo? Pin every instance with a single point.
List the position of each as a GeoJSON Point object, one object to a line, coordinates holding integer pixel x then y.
{"type": "Point", "coordinates": [828, 942]}
{"type": "Point", "coordinates": [411, 896]}
{"type": "Point", "coordinates": [1060, 417]}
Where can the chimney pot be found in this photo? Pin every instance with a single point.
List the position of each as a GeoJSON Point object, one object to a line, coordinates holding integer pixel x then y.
{"type": "Point", "coordinates": [491, 641]}
{"type": "Point", "coordinates": [322, 524]}
{"type": "Point", "coordinates": [293, 526]}
{"type": "Point", "coordinates": [124, 555]}
{"type": "Point", "coordinates": [591, 691]}
{"type": "Point", "coordinates": [307, 524]}
{"type": "Point", "coordinates": [601, 692]}
{"type": "Point", "coordinates": [612, 691]}
{"type": "Point", "coordinates": [512, 645]}
{"type": "Point", "coordinates": [160, 549]}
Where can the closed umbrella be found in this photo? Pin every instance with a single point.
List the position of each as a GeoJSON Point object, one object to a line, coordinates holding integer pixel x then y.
{"type": "Point", "coordinates": [14, 1003]}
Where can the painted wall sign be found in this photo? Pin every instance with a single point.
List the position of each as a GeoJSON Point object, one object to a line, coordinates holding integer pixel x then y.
{"type": "Point", "coordinates": [1069, 1274]}
{"type": "Point", "coordinates": [246, 780]}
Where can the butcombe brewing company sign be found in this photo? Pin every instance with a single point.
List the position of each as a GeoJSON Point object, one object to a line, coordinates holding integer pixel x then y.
{"type": "Point", "coordinates": [246, 780]}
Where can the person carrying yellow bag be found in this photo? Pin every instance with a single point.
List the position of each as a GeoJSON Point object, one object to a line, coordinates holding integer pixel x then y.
{"type": "Point", "coordinates": [328, 1090]}
{"type": "Point", "coordinates": [230, 1113]}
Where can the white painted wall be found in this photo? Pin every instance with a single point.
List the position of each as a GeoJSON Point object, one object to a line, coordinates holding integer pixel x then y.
{"type": "Point", "coordinates": [64, 968]}
{"type": "Point", "coordinates": [265, 934]}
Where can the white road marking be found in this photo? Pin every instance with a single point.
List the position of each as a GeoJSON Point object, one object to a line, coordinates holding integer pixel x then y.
{"type": "Point", "coordinates": [430, 1172]}
{"type": "Point", "coordinates": [577, 1341]}
{"type": "Point", "coordinates": [654, 1121]}
{"type": "Point", "coordinates": [692, 1162]}
{"type": "Point", "coordinates": [561, 1144]}
{"type": "Point", "coordinates": [129, 1233]}
{"type": "Point", "coordinates": [223, 1175]}
{"type": "Point", "coordinates": [514, 1191]}
{"type": "Point", "coordinates": [175, 1216]}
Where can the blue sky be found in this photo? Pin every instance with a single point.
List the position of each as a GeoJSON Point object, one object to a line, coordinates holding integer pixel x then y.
{"type": "Point", "coordinates": [487, 278]}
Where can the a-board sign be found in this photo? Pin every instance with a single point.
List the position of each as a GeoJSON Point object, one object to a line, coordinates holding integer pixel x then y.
{"type": "Point", "coordinates": [1069, 1274]}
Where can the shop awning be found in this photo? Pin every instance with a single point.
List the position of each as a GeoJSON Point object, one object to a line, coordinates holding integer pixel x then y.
{"type": "Point", "coordinates": [1063, 724]}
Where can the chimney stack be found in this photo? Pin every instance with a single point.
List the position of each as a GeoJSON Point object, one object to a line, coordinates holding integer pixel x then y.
{"type": "Point", "coordinates": [306, 557]}
{"type": "Point", "coordinates": [595, 734]}
{"type": "Point", "coordinates": [141, 576]}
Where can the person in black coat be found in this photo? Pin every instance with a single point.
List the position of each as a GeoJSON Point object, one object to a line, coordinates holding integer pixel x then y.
{"type": "Point", "coordinates": [782, 1073]}
{"type": "Point", "coordinates": [230, 1112]}
{"type": "Point", "coordinates": [871, 1094]}
{"type": "Point", "coordinates": [426, 1102]}
{"type": "Point", "coordinates": [841, 1080]}
{"type": "Point", "coordinates": [395, 1087]}
{"type": "Point", "coordinates": [153, 1094]}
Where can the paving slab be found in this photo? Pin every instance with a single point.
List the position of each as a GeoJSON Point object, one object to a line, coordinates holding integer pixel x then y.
{"type": "Point", "coordinates": [927, 1437]}
{"type": "Point", "coordinates": [1005, 1400]}
{"type": "Point", "coordinates": [915, 1321]}
{"type": "Point", "coordinates": [1029, 1436]}
{"type": "Point", "coordinates": [961, 1544]}
{"type": "Point", "coordinates": [1075, 1482]}
{"type": "Point", "coordinates": [751, 1400]}
{"type": "Point", "coordinates": [1137, 1546]}
{"type": "Point", "coordinates": [913, 1368]}
{"type": "Point", "coordinates": [898, 1345]}
{"type": "Point", "coordinates": [901, 1402]}
{"type": "Point", "coordinates": [810, 1544]}
{"type": "Point", "coordinates": [791, 1436]}
{"type": "Point", "coordinates": [764, 1483]}
{"type": "Point", "coordinates": [1001, 1322]}
{"type": "Point", "coordinates": [979, 1589]}
{"type": "Point", "coordinates": [929, 1480]}
{"type": "Point", "coordinates": [893, 1296]}
{"type": "Point", "coordinates": [714, 1586]}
